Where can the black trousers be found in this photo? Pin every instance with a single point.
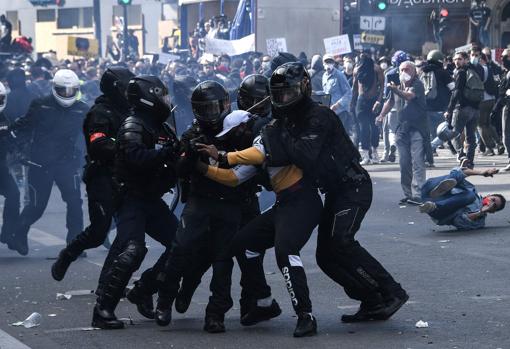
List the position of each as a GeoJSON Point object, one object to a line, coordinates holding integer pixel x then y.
{"type": "Point", "coordinates": [287, 226]}
{"type": "Point", "coordinates": [10, 191]}
{"type": "Point", "coordinates": [135, 217]}
{"type": "Point", "coordinates": [203, 219]}
{"type": "Point", "coordinates": [340, 256]}
{"type": "Point", "coordinates": [250, 270]}
{"type": "Point", "coordinates": [40, 183]}
{"type": "Point", "coordinates": [100, 193]}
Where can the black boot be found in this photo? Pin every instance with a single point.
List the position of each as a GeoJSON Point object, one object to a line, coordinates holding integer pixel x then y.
{"type": "Point", "coordinates": [183, 301]}
{"type": "Point", "coordinates": [142, 299]}
{"type": "Point", "coordinates": [64, 260]}
{"type": "Point", "coordinates": [245, 305]}
{"type": "Point", "coordinates": [163, 312]}
{"type": "Point", "coordinates": [105, 319]}
{"type": "Point", "coordinates": [306, 325]}
{"type": "Point", "coordinates": [19, 243]}
{"type": "Point", "coordinates": [366, 312]}
{"type": "Point", "coordinates": [5, 238]}
{"type": "Point", "coordinates": [258, 314]}
{"type": "Point", "coordinates": [393, 304]}
{"type": "Point", "coordinates": [214, 323]}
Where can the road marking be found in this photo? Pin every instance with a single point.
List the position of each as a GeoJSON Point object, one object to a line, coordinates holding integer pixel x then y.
{"type": "Point", "coordinates": [9, 342]}
{"type": "Point", "coordinates": [45, 238]}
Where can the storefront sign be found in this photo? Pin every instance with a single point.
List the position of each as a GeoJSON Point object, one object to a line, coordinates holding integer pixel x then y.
{"type": "Point", "coordinates": [372, 39]}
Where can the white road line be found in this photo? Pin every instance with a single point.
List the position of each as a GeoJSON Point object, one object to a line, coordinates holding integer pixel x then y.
{"type": "Point", "coordinates": [9, 342]}
{"type": "Point", "coordinates": [45, 238]}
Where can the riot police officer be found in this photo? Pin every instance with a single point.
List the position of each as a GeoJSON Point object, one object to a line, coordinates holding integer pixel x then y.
{"type": "Point", "coordinates": [253, 95]}
{"type": "Point", "coordinates": [315, 140]}
{"type": "Point", "coordinates": [100, 130]}
{"type": "Point", "coordinates": [144, 169]}
{"type": "Point", "coordinates": [212, 211]}
{"type": "Point", "coordinates": [8, 187]}
{"type": "Point", "coordinates": [53, 123]}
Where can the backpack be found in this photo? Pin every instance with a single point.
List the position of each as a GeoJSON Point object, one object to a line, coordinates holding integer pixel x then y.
{"type": "Point", "coordinates": [430, 83]}
{"type": "Point", "coordinates": [474, 89]}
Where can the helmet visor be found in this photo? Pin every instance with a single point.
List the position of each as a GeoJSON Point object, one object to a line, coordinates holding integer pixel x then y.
{"type": "Point", "coordinates": [210, 111]}
{"type": "Point", "coordinates": [285, 96]}
{"type": "Point", "coordinates": [66, 92]}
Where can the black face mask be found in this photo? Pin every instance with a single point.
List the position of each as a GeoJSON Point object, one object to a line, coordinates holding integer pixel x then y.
{"type": "Point", "coordinates": [240, 137]}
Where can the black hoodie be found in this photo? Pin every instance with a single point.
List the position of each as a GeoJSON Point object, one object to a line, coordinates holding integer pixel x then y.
{"type": "Point", "coordinates": [443, 78]}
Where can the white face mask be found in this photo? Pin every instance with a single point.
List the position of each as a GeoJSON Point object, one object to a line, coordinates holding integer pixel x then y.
{"type": "Point", "coordinates": [265, 65]}
{"type": "Point", "coordinates": [329, 66]}
{"type": "Point", "coordinates": [475, 60]}
{"type": "Point", "coordinates": [404, 77]}
{"type": "Point", "coordinates": [384, 66]}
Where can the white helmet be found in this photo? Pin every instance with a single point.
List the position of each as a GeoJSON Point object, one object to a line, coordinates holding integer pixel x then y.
{"type": "Point", "coordinates": [65, 87]}
{"type": "Point", "coordinates": [3, 97]}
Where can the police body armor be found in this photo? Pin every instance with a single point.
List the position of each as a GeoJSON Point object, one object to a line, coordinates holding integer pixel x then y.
{"type": "Point", "coordinates": [147, 182]}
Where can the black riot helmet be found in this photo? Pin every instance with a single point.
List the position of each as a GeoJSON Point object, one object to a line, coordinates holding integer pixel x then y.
{"type": "Point", "coordinates": [114, 83]}
{"type": "Point", "coordinates": [148, 93]}
{"type": "Point", "coordinates": [254, 89]}
{"type": "Point", "coordinates": [210, 103]}
{"type": "Point", "coordinates": [288, 85]}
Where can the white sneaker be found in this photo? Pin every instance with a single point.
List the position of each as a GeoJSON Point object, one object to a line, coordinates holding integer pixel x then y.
{"type": "Point", "coordinates": [375, 157]}
{"type": "Point", "coordinates": [365, 158]}
{"type": "Point", "coordinates": [507, 168]}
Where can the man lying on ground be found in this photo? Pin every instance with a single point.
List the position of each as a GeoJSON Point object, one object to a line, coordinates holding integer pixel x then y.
{"type": "Point", "coordinates": [452, 200]}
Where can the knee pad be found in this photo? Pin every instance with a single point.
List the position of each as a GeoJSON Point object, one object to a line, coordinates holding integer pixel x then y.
{"type": "Point", "coordinates": [132, 256]}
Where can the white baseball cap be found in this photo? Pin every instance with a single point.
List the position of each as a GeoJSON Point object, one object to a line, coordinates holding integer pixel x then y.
{"type": "Point", "coordinates": [328, 57]}
{"type": "Point", "coordinates": [234, 119]}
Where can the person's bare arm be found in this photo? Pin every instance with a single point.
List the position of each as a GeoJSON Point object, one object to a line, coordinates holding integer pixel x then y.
{"type": "Point", "coordinates": [488, 172]}
{"type": "Point", "coordinates": [385, 109]}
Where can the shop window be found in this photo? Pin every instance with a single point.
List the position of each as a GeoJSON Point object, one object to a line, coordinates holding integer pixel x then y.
{"type": "Point", "coordinates": [75, 17]}
{"type": "Point", "coordinates": [134, 14]}
{"type": "Point", "coordinates": [12, 16]}
{"type": "Point", "coordinates": [46, 15]}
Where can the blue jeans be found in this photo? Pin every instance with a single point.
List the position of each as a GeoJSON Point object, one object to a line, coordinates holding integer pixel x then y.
{"type": "Point", "coordinates": [448, 203]}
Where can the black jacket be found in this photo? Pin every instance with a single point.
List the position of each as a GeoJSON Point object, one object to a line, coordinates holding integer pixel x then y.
{"type": "Point", "coordinates": [316, 141]}
{"type": "Point", "coordinates": [195, 184]}
{"type": "Point", "coordinates": [145, 157]}
{"type": "Point", "coordinates": [5, 144]}
{"type": "Point", "coordinates": [53, 131]}
{"type": "Point", "coordinates": [457, 97]}
{"type": "Point", "coordinates": [100, 130]}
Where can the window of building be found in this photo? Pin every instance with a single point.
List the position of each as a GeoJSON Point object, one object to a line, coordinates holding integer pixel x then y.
{"type": "Point", "coordinates": [75, 17]}
{"type": "Point", "coordinates": [12, 16]}
{"type": "Point", "coordinates": [46, 15]}
{"type": "Point", "coordinates": [134, 14]}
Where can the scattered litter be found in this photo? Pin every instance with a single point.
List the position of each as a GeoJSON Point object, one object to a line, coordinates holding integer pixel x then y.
{"type": "Point", "coordinates": [63, 296]}
{"type": "Point", "coordinates": [80, 292]}
{"type": "Point", "coordinates": [444, 241]}
{"type": "Point", "coordinates": [270, 273]}
{"type": "Point", "coordinates": [403, 206]}
{"type": "Point", "coordinates": [33, 320]}
{"type": "Point", "coordinates": [52, 315]}
{"type": "Point", "coordinates": [411, 223]}
{"type": "Point", "coordinates": [89, 328]}
{"type": "Point", "coordinates": [422, 324]}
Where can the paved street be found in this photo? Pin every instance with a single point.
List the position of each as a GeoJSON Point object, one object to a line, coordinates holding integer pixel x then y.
{"type": "Point", "coordinates": [457, 281]}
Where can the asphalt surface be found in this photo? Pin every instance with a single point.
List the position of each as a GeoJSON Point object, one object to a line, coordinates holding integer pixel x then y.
{"type": "Point", "coordinates": [458, 282]}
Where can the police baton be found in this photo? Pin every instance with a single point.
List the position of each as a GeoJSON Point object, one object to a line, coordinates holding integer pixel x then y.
{"type": "Point", "coordinates": [257, 104]}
